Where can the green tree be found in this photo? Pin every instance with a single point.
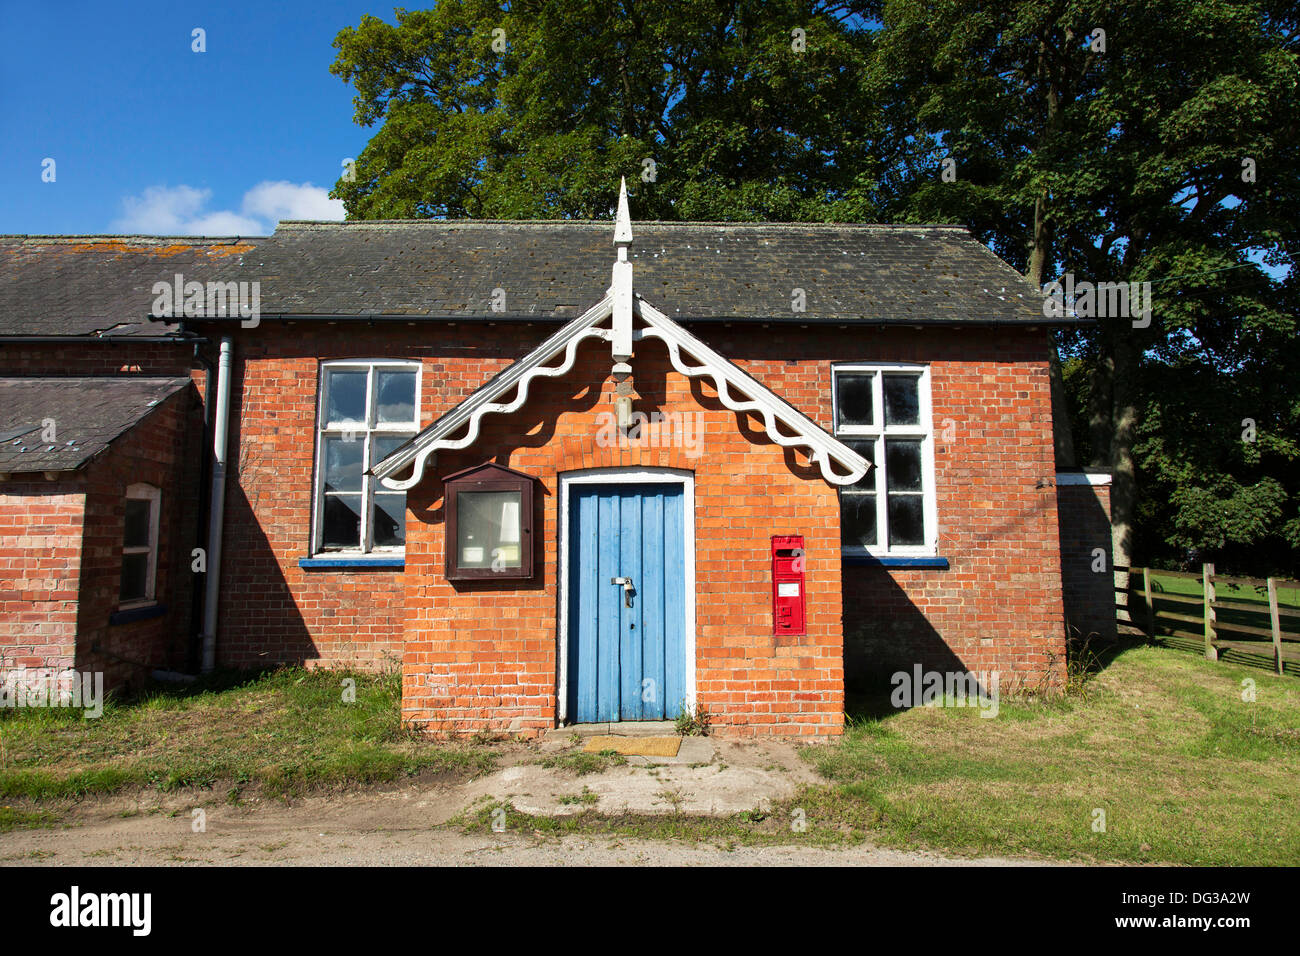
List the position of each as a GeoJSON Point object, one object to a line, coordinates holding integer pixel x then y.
{"type": "Point", "coordinates": [712, 109]}
{"type": "Point", "coordinates": [1109, 140]}
{"type": "Point", "coordinates": [1164, 148]}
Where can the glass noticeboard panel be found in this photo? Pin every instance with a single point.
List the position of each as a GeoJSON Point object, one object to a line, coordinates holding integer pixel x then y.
{"type": "Point", "coordinates": [488, 529]}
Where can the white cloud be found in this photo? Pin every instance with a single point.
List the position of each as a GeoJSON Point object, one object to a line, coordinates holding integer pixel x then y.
{"type": "Point", "coordinates": [282, 200]}
{"type": "Point", "coordinates": [181, 210]}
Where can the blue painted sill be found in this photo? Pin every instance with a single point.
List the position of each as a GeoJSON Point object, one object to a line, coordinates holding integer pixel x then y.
{"type": "Point", "coordinates": [871, 560]}
{"type": "Point", "coordinates": [137, 614]}
{"type": "Point", "coordinates": [342, 564]}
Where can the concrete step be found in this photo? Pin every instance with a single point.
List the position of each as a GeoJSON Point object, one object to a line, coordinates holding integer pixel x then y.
{"type": "Point", "coordinates": [623, 728]}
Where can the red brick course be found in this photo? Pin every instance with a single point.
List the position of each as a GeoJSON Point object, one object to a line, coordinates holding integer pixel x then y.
{"type": "Point", "coordinates": [40, 557]}
{"type": "Point", "coordinates": [998, 605]}
{"type": "Point", "coordinates": [61, 553]}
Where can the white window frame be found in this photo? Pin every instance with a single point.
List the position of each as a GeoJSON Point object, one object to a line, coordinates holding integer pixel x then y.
{"type": "Point", "coordinates": [370, 428]}
{"type": "Point", "coordinates": [142, 491]}
{"type": "Point", "coordinates": [877, 432]}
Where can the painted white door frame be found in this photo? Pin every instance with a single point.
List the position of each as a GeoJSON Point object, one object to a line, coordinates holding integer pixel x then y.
{"type": "Point", "coordinates": [623, 476]}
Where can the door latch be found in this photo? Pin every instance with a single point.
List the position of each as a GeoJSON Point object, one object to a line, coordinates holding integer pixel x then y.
{"type": "Point", "coordinates": [627, 589]}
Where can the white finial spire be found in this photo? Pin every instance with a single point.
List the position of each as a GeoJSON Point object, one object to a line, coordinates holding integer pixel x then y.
{"type": "Point", "coordinates": [622, 286]}
{"type": "Point", "coordinates": [623, 221]}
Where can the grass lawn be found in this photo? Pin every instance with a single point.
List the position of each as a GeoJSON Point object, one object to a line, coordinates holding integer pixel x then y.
{"type": "Point", "coordinates": [1162, 742]}
{"type": "Point", "coordinates": [1184, 769]}
{"type": "Point", "coordinates": [283, 731]}
{"type": "Point", "coordinates": [1238, 646]}
{"type": "Point", "coordinates": [1287, 596]}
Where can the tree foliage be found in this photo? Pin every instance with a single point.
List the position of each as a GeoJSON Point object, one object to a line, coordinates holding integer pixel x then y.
{"type": "Point", "coordinates": [1153, 140]}
{"type": "Point", "coordinates": [536, 110]}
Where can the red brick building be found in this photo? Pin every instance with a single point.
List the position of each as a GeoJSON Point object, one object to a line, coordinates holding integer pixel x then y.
{"type": "Point", "coordinates": [548, 496]}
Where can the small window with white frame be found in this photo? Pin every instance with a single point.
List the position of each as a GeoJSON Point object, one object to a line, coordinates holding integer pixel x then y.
{"type": "Point", "coordinates": [367, 409]}
{"type": "Point", "coordinates": [139, 547]}
{"type": "Point", "coordinates": [883, 413]}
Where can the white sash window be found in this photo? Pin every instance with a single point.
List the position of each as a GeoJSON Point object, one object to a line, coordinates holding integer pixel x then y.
{"type": "Point", "coordinates": [883, 413]}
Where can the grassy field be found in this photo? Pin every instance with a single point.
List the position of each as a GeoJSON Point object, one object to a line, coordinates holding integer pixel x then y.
{"type": "Point", "coordinates": [1184, 770]}
{"type": "Point", "coordinates": [1288, 597]}
{"type": "Point", "coordinates": [282, 731]}
{"type": "Point", "coordinates": [1245, 648]}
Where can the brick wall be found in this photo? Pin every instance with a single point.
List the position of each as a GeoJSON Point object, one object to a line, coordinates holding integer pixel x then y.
{"type": "Point", "coordinates": [272, 610]}
{"type": "Point", "coordinates": [95, 358]}
{"type": "Point", "coordinates": [1089, 595]}
{"type": "Point", "coordinates": [61, 550]}
{"type": "Point", "coordinates": [997, 606]}
{"type": "Point", "coordinates": [483, 655]}
{"type": "Point", "coordinates": [40, 555]}
{"type": "Point", "coordinates": [162, 450]}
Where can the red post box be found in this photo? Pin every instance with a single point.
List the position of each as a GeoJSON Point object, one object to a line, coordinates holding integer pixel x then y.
{"type": "Point", "coordinates": [788, 604]}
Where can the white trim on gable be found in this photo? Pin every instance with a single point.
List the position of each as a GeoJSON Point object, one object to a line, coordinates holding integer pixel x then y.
{"type": "Point", "coordinates": [825, 449]}
{"type": "Point", "coordinates": [470, 412]}
{"type": "Point", "coordinates": [737, 390]}
{"type": "Point", "coordinates": [619, 305]}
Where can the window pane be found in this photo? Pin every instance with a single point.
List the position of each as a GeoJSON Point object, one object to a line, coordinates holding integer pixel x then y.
{"type": "Point", "coordinates": [487, 528]}
{"type": "Point", "coordinates": [390, 520]}
{"type": "Point", "coordinates": [341, 523]}
{"type": "Point", "coordinates": [137, 523]}
{"type": "Point", "coordinates": [902, 400]}
{"type": "Point", "coordinates": [383, 446]}
{"type": "Point", "coordinates": [857, 520]}
{"type": "Point", "coordinates": [903, 465]}
{"type": "Point", "coordinates": [906, 524]}
{"type": "Point", "coordinates": [396, 397]}
{"type": "Point", "coordinates": [853, 399]}
{"type": "Point", "coordinates": [867, 449]}
{"type": "Point", "coordinates": [343, 463]}
{"type": "Point", "coordinates": [346, 397]}
{"type": "Point", "coordinates": [135, 570]}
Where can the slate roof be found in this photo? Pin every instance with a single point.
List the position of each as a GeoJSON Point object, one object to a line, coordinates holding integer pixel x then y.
{"type": "Point", "coordinates": [89, 414]}
{"type": "Point", "coordinates": [99, 285]}
{"type": "Point", "coordinates": [549, 271]}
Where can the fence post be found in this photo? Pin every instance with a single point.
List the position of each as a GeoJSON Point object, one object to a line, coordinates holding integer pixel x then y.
{"type": "Point", "coordinates": [1276, 622]}
{"type": "Point", "coordinates": [1151, 609]}
{"type": "Point", "coordinates": [1211, 632]}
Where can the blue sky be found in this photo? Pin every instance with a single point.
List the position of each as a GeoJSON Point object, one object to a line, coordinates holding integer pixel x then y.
{"type": "Point", "coordinates": [150, 137]}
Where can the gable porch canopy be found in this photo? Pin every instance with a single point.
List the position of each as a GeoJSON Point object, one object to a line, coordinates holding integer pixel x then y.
{"type": "Point", "coordinates": [508, 391]}
{"type": "Point", "coordinates": [737, 389]}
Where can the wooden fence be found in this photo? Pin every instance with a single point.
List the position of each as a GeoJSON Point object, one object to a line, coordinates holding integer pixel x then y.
{"type": "Point", "coordinates": [1225, 618]}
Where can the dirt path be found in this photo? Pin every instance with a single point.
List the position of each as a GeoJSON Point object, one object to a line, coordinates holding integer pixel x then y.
{"type": "Point", "coordinates": [367, 830]}
{"type": "Point", "coordinates": [405, 825]}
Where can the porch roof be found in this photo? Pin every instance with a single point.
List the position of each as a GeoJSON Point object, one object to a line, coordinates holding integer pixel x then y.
{"type": "Point", "coordinates": [87, 415]}
{"type": "Point", "coordinates": [507, 391]}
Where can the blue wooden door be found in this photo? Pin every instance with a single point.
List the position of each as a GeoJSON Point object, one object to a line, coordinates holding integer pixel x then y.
{"type": "Point", "coordinates": [626, 662]}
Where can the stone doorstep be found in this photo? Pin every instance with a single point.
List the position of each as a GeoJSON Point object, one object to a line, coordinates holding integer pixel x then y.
{"type": "Point", "coordinates": [624, 728]}
{"type": "Point", "coordinates": [694, 750]}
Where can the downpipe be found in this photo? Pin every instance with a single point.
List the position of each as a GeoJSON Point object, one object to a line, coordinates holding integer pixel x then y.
{"type": "Point", "coordinates": [216, 513]}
